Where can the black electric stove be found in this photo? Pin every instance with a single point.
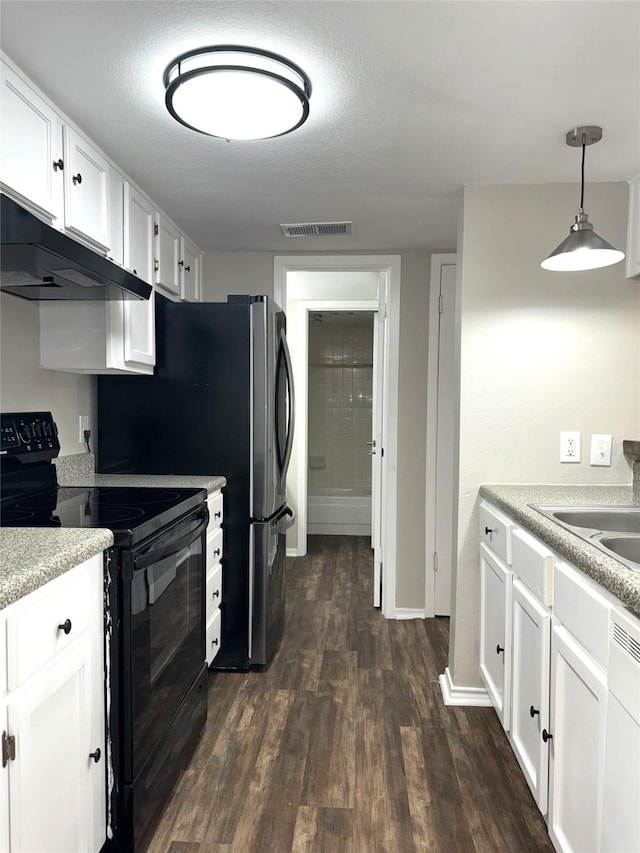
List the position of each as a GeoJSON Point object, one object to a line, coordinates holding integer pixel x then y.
{"type": "Point", "coordinates": [154, 620]}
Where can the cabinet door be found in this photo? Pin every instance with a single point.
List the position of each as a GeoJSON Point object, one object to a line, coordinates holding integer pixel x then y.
{"type": "Point", "coordinates": [530, 665]}
{"type": "Point", "coordinates": [139, 316]}
{"type": "Point", "coordinates": [495, 632]}
{"type": "Point", "coordinates": [4, 787]}
{"type": "Point", "coordinates": [167, 256]}
{"type": "Point", "coordinates": [576, 761]}
{"type": "Point", "coordinates": [49, 780]}
{"type": "Point", "coordinates": [30, 145]}
{"type": "Point", "coordinates": [86, 190]}
{"type": "Point", "coordinates": [190, 271]}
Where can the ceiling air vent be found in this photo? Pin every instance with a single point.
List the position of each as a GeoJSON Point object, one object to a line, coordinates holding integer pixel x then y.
{"type": "Point", "coordinates": [315, 229]}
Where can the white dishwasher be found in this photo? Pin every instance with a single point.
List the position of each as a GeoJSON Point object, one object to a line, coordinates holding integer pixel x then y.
{"type": "Point", "coordinates": [621, 800]}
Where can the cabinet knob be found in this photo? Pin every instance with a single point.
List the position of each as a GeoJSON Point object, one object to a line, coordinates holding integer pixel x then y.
{"type": "Point", "coordinates": [188, 269]}
{"type": "Point", "coordinates": [180, 263]}
{"type": "Point", "coordinates": [546, 736]}
{"type": "Point", "coordinates": [533, 712]}
{"type": "Point", "coordinates": [77, 179]}
{"type": "Point", "coordinates": [66, 626]}
{"type": "Point", "coordinates": [217, 514]}
{"type": "Point", "coordinates": [499, 649]}
{"type": "Point", "coordinates": [58, 164]}
{"type": "Point", "coordinates": [96, 755]}
{"type": "Point", "coordinates": [216, 593]}
{"type": "Point", "coordinates": [214, 642]}
{"type": "Point", "coordinates": [216, 553]}
{"type": "Point", "coordinates": [488, 530]}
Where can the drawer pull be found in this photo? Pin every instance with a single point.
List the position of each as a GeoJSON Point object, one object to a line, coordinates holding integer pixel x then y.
{"type": "Point", "coordinates": [488, 531]}
{"type": "Point", "coordinates": [499, 649]}
{"type": "Point", "coordinates": [66, 626]}
{"type": "Point", "coordinates": [546, 736]}
{"type": "Point", "coordinates": [96, 755]}
{"type": "Point", "coordinates": [216, 593]}
{"type": "Point", "coordinates": [533, 712]}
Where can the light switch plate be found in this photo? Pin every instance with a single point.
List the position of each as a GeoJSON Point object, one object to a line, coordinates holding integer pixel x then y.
{"type": "Point", "coordinates": [600, 450]}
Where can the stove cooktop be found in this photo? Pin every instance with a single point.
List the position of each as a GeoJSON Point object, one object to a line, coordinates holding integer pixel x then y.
{"type": "Point", "coordinates": [132, 513]}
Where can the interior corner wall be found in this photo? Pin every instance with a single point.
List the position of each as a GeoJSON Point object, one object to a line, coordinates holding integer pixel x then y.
{"type": "Point", "coordinates": [252, 272]}
{"type": "Point", "coordinates": [26, 387]}
{"type": "Point", "coordinates": [540, 352]}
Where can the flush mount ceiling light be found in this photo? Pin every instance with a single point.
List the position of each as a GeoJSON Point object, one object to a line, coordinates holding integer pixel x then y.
{"type": "Point", "coordinates": [583, 249]}
{"type": "Point", "coordinates": [237, 92]}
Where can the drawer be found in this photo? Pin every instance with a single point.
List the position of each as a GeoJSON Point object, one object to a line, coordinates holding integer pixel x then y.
{"type": "Point", "coordinates": [35, 632]}
{"type": "Point", "coordinates": [214, 589]}
{"type": "Point", "coordinates": [583, 607]}
{"type": "Point", "coordinates": [214, 626]}
{"type": "Point", "coordinates": [495, 531]}
{"type": "Point", "coordinates": [216, 512]}
{"type": "Point", "coordinates": [214, 547]}
{"type": "Point", "coordinates": [532, 562]}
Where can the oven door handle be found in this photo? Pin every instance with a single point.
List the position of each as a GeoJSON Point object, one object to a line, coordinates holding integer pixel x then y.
{"type": "Point", "coordinates": [171, 544]}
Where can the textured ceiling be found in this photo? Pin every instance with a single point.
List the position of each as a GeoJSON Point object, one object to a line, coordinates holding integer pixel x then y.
{"type": "Point", "coordinates": [411, 100]}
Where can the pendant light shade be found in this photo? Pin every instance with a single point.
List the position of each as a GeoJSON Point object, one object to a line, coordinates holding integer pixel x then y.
{"type": "Point", "coordinates": [237, 92]}
{"type": "Point", "coordinates": [583, 249]}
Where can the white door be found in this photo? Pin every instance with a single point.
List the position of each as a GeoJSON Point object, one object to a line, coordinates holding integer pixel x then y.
{"type": "Point", "coordinates": [139, 315]}
{"type": "Point", "coordinates": [495, 632]}
{"type": "Point", "coordinates": [167, 255]}
{"type": "Point", "coordinates": [86, 190]}
{"type": "Point", "coordinates": [189, 271]}
{"type": "Point", "coordinates": [445, 442]}
{"type": "Point", "coordinates": [576, 761]}
{"type": "Point", "coordinates": [49, 780]}
{"type": "Point", "coordinates": [530, 689]}
{"type": "Point", "coordinates": [377, 446]}
{"type": "Point", "coordinates": [31, 161]}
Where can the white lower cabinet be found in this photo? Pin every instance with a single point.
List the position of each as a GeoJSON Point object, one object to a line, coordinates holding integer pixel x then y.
{"type": "Point", "coordinates": [213, 587]}
{"type": "Point", "coordinates": [577, 729]}
{"type": "Point", "coordinates": [495, 631]}
{"type": "Point", "coordinates": [530, 689]}
{"type": "Point", "coordinates": [53, 782]}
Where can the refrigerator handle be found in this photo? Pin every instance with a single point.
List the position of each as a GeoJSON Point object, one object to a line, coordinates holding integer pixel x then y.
{"type": "Point", "coordinates": [284, 520]}
{"type": "Point", "coordinates": [292, 405]}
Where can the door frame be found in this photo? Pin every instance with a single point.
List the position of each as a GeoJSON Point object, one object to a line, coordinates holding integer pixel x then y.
{"type": "Point", "coordinates": [438, 261]}
{"type": "Point", "coordinates": [388, 269]}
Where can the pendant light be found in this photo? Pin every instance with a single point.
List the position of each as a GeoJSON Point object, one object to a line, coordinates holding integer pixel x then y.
{"type": "Point", "coordinates": [236, 92]}
{"type": "Point", "coordinates": [583, 249]}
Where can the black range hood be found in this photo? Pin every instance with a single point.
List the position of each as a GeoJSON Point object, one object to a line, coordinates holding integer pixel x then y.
{"type": "Point", "coordinates": [40, 263]}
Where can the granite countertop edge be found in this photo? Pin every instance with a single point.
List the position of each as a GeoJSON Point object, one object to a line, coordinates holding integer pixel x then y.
{"type": "Point", "coordinates": [515, 500]}
{"type": "Point", "coordinates": [30, 558]}
{"type": "Point", "coordinates": [211, 482]}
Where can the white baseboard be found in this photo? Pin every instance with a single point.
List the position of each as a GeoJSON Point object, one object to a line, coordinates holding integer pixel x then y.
{"type": "Point", "coordinates": [409, 613]}
{"type": "Point", "coordinates": [293, 552]}
{"type": "Point", "coordinates": [460, 695]}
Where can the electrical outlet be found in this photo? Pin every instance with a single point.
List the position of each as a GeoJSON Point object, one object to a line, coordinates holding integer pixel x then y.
{"type": "Point", "coordinates": [83, 424]}
{"type": "Point", "coordinates": [569, 446]}
{"type": "Point", "coordinates": [600, 450]}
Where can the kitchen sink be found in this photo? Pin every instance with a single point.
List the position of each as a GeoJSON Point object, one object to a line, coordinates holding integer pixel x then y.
{"type": "Point", "coordinates": [604, 527]}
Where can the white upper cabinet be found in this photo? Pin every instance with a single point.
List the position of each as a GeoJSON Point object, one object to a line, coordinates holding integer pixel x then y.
{"type": "Point", "coordinates": [139, 316]}
{"type": "Point", "coordinates": [633, 229]}
{"type": "Point", "coordinates": [31, 155]}
{"type": "Point", "coordinates": [189, 271]}
{"type": "Point", "coordinates": [86, 191]}
{"type": "Point", "coordinates": [167, 256]}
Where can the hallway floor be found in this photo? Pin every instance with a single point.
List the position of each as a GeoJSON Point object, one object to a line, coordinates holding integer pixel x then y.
{"type": "Point", "coordinates": [343, 744]}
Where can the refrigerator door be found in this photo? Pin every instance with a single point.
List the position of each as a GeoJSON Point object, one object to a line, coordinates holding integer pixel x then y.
{"type": "Point", "coordinates": [272, 412]}
{"type": "Point", "coordinates": [269, 546]}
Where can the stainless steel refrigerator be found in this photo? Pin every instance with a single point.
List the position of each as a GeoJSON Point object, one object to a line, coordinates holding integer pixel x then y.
{"type": "Point", "coordinates": [220, 402]}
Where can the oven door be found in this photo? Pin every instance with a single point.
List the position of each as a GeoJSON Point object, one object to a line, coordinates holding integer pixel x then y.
{"type": "Point", "coordinates": [163, 633]}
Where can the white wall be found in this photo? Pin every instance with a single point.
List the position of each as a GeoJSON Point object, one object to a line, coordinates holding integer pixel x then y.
{"type": "Point", "coordinates": [540, 352]}
{"type": "Point", "coordinates": [25, 387]}
{"type": "Point", "coordinates": [252, 272]}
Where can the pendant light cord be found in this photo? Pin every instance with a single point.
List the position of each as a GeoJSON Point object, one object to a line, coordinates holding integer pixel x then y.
{"type": "Point", "coordinates": [584, 148]}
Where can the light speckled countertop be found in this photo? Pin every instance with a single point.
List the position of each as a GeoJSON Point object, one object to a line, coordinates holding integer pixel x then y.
{"type": "Point", "coordinates": [514, 500]}
{"type": "Point", "coordinates": [30, 557]}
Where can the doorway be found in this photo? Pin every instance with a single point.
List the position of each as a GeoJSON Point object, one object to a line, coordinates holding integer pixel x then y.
{"type": "Point", "coordinates": [372, 283]}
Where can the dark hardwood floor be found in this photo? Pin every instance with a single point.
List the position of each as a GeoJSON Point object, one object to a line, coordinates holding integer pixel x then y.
{"type": "Point", "coordinates": [343, 744]}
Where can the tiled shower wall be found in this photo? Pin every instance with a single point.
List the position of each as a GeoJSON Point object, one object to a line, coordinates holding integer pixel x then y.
{"type": "Point", "coordinates": [340, 403]}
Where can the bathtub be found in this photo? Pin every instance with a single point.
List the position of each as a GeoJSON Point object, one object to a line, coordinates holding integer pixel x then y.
{"type": "Point", "coordinates": [345, 512]}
